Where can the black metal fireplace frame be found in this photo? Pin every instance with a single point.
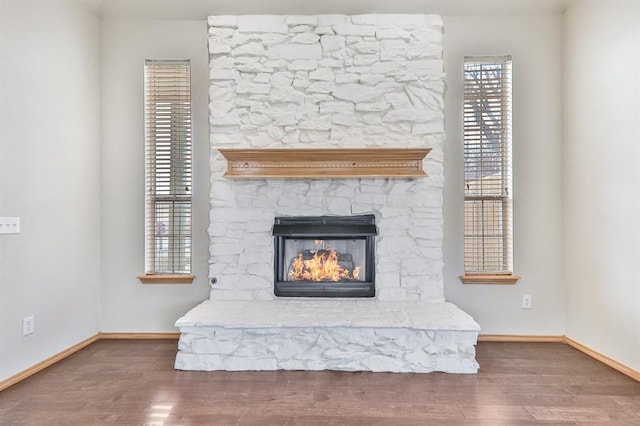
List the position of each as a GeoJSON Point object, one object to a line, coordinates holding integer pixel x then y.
{"type": "Point", "coordinates": [324, 227]}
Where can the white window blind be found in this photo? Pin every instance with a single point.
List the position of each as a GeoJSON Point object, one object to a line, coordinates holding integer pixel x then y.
{"type": "Point", "coordinates": [168, 167]}
{"type": "Point", "coordinates": [487, 165]}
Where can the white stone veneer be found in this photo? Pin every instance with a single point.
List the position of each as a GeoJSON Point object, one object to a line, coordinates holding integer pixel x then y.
{"type": "Point", "coordinates": [320, 334]}
{"type": "Point", "coordinates": [327, 81]}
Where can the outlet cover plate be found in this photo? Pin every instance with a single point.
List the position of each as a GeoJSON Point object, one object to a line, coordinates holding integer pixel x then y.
{"type": "Point", "coordinates": [28, 325]}
{"type": "Point", "coordinates": [9, 225]}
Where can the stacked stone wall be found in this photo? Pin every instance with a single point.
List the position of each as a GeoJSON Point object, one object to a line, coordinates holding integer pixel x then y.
{"type": "Point", "coordinates": [328, 81]}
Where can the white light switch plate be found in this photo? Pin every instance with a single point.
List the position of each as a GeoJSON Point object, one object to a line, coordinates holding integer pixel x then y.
{"type": "Point", "coordinates": [9, 225]}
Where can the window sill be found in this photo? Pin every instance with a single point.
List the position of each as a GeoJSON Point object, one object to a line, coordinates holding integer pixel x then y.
{"type": "Point", "coordinates": [166, 278]}
{"type": "Point", "coordinates": [490, 279]}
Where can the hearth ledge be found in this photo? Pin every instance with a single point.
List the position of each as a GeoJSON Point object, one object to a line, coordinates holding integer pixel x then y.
{"type": "Point", "coordinates": [327, 334]}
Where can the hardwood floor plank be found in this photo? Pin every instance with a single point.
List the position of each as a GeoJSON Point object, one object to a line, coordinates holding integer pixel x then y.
{"type": "Point", "coordinates": [133, 382]}
{"type": "Point", "coordinates": [632, 402]}
{"type": "Point", "coordinates": [496, 412]}
{"type": "Point", "coordinates": [574, 414]}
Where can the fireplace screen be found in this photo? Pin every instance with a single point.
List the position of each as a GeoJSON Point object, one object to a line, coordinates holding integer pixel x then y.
{"type": "Point", "coordinates": [324, 256]}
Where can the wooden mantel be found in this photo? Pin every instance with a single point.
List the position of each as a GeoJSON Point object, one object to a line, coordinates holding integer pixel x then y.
{"type": "Point", "coordinates": [286, 163]}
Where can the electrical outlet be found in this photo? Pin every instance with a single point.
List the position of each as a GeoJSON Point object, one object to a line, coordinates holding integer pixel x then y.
{"type": "Point", "coordinates": [9, 225]}
{"type": "Point", "coordinates": [526, 301]}
{"type": "Point", "coordinates": [28, 325]}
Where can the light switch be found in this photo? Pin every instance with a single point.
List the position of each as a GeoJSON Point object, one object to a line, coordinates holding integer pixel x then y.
{"type": "Point", "coordinates": [9, 225]}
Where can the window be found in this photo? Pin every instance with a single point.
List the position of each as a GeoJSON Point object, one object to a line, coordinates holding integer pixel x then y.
{"type": "Point", "coordinates": [168, 171]}
{"type": "Point", "coordinates": [487, 170]}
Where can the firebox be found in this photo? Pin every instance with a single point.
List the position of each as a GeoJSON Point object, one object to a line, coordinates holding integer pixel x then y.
{"type": "Point", "coordinates": [324, 256]}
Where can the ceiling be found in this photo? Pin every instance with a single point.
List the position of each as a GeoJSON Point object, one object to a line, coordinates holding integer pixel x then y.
{"type": "Point", "coordinates": [200, 9]}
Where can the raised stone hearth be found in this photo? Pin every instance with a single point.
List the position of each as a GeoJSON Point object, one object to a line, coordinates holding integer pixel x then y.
{"type": "Point", "coordinates": [322, 334]}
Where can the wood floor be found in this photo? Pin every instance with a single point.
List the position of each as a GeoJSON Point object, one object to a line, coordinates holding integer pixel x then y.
{"type": "Point", "coordinates": [133, 383]}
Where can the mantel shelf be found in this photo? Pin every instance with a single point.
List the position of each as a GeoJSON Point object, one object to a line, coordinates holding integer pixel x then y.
{"type": "Point", "coordinates": [327, 163]}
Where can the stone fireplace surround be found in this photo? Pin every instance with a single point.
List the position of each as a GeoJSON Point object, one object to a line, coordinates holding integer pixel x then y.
{"type": "Point", "coordinates": [328, 81]}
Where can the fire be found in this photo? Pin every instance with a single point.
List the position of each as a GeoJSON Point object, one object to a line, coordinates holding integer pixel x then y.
{"type": "Point", "coordinates": [323, 266]}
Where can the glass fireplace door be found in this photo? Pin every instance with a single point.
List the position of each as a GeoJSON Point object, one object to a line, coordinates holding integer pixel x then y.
{"type": "Point", "coordinates": [324, 256]}
{"type": "Point", "coordinates": [333, 260]}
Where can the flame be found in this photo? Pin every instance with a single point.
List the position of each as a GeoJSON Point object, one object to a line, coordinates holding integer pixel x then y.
{"type": "Point", "coordinates": [323, 266]}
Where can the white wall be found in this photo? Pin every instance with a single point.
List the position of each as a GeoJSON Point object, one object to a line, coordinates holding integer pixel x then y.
{"type": "Point", "coordinates": [49, 176]}
{"type": "Point", "coordinates": [128, 305]}
{"type": "Point", "coordinates": [534, 41]}
{"type": "Point", "coordinates": [602, 179]}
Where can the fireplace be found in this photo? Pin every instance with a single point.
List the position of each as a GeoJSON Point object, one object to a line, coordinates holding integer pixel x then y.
{"type": "Point", "coordinates": [273, 115]}
{"type": "Point", "coordinates": [324, 256]}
